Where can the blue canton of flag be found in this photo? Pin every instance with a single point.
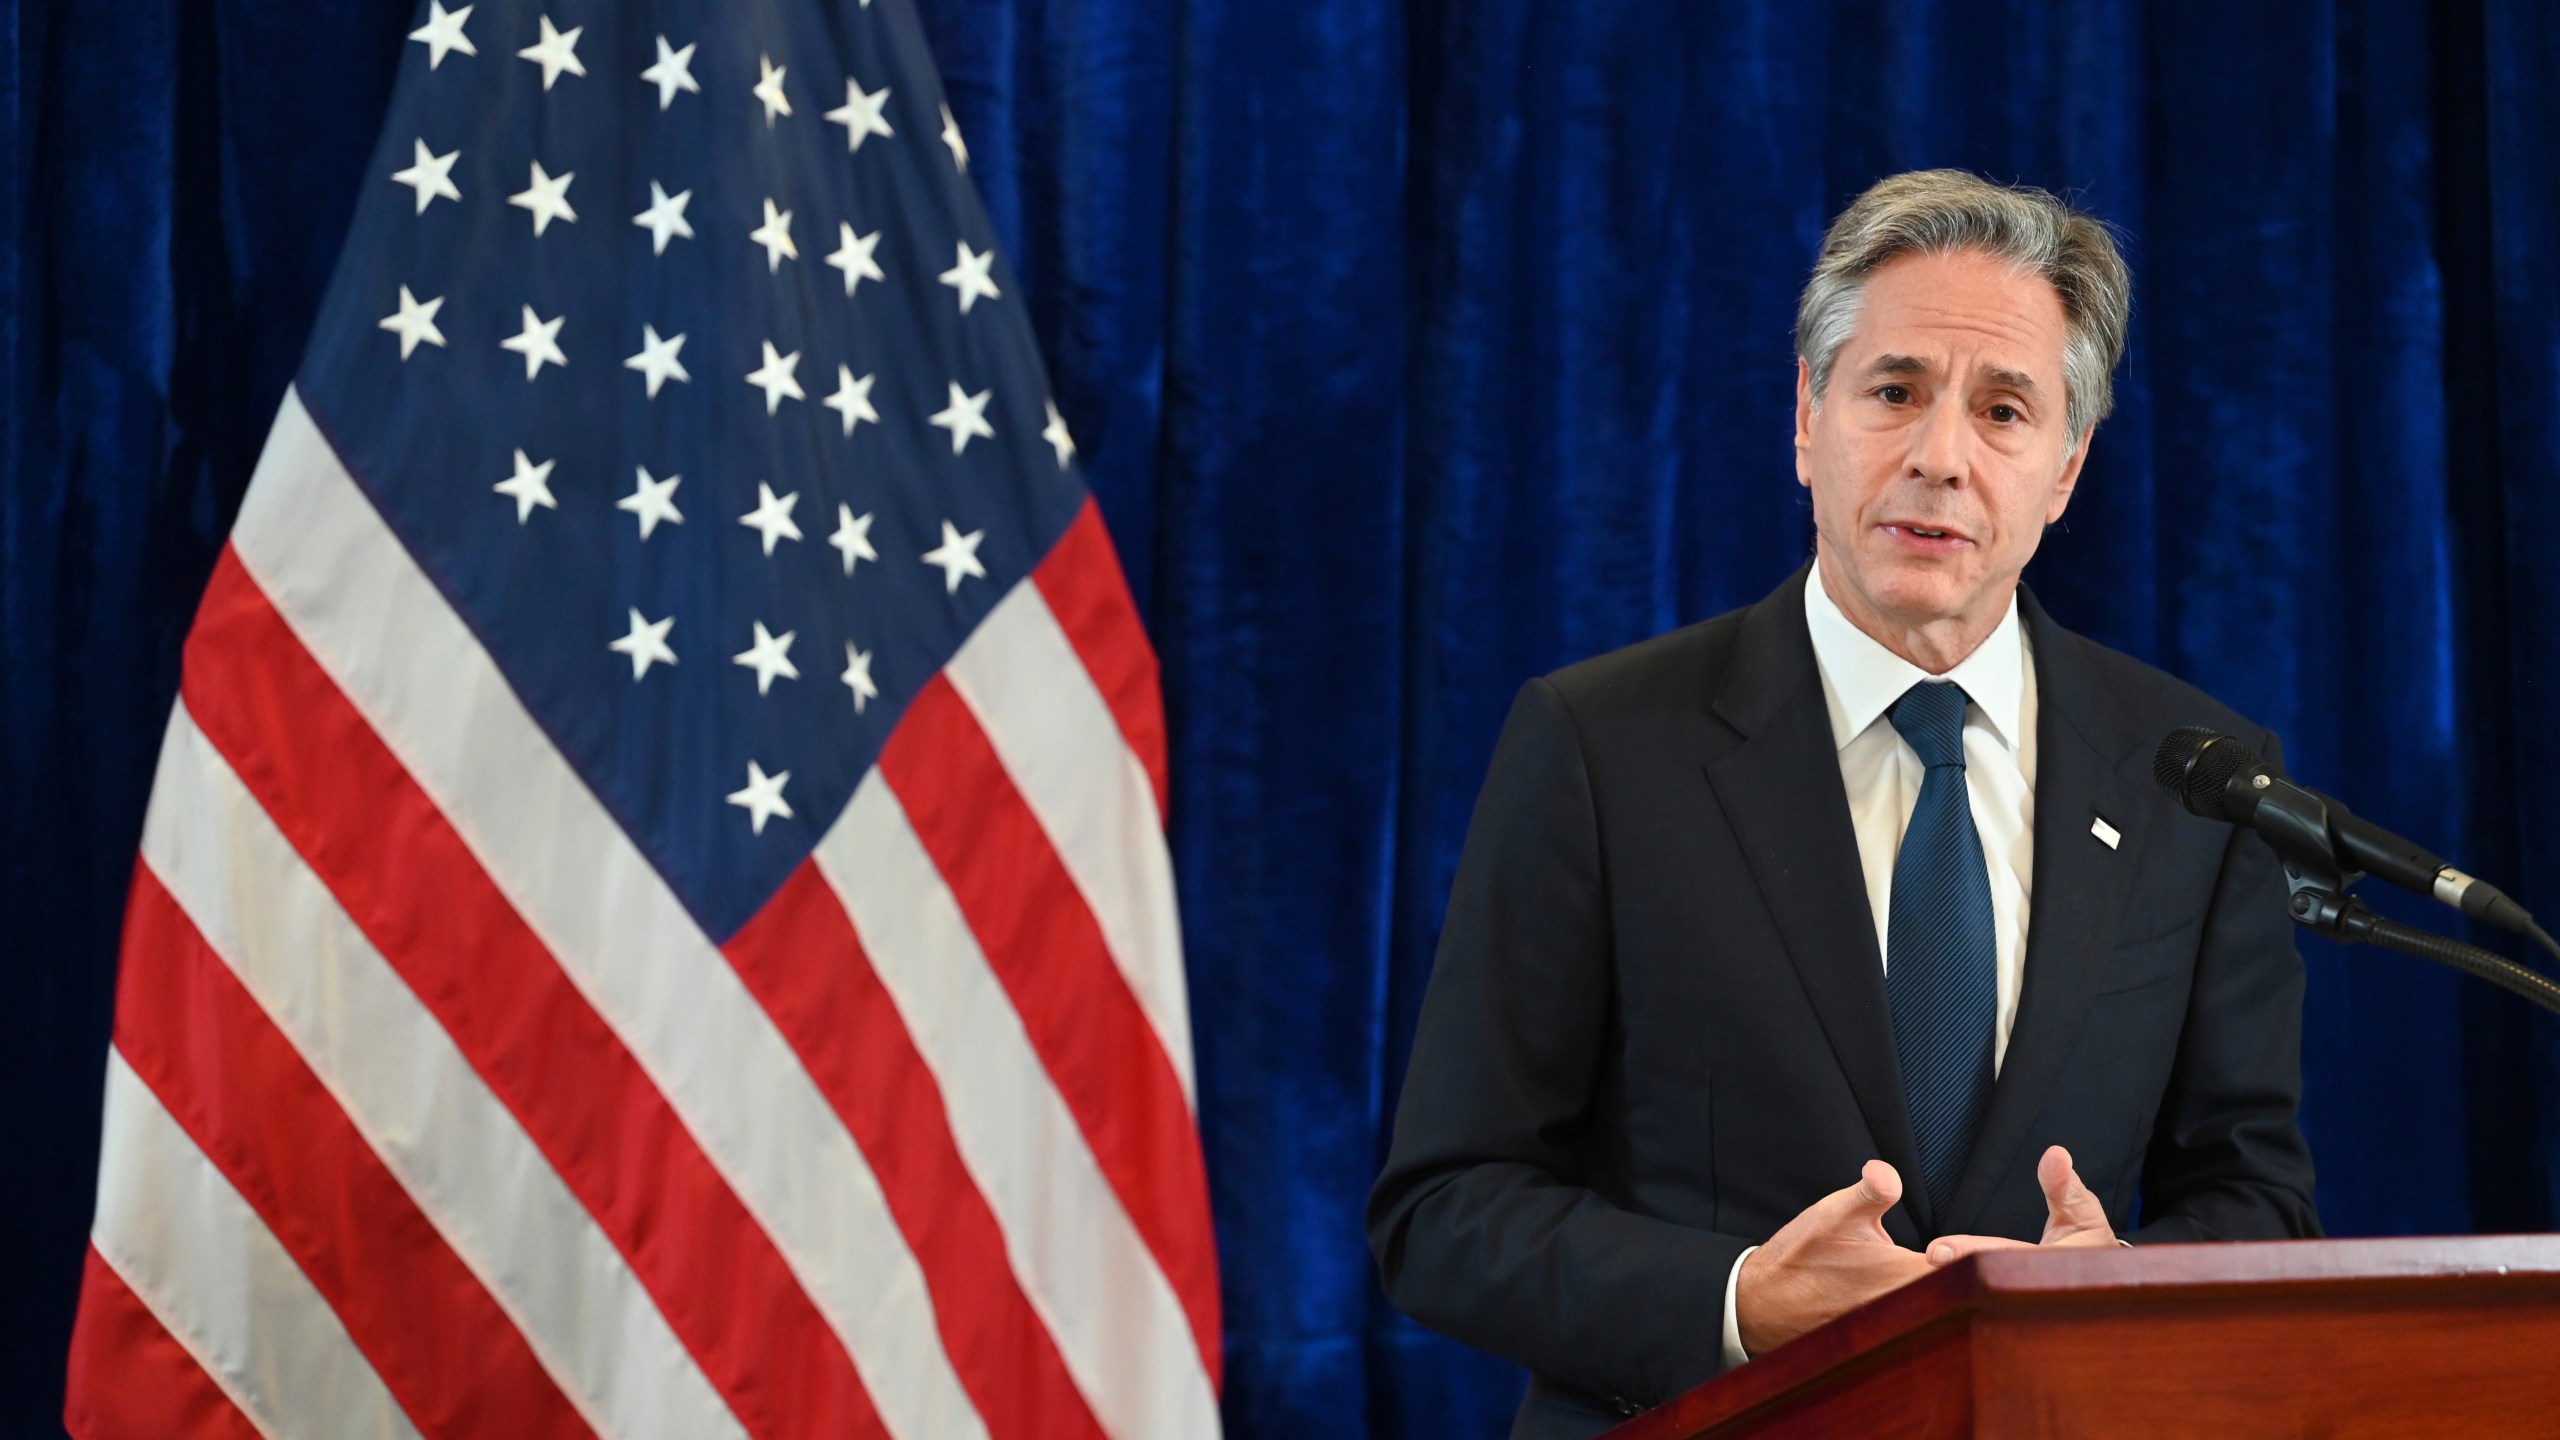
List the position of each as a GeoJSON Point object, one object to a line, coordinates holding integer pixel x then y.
{"type": "Point", "coordinates": [706, 401]}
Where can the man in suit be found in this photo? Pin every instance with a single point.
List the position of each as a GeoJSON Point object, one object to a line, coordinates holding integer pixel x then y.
{"type": "Point", "coordinates": [1850, 923]}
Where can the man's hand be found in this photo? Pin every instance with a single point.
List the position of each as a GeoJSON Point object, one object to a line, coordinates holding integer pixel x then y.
{"type": "Point", "coordinates": [2073, 1216]}
{"type": "Point", "coordinates": [1824, 1263]}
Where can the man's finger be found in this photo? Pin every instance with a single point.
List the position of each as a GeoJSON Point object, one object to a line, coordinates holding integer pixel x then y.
{"type": "Point", "coordinates": [1948, 1249]}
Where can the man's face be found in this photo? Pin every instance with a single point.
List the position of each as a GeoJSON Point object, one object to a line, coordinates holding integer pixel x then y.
{"type": "Point", "coordinates": [1940, 450]}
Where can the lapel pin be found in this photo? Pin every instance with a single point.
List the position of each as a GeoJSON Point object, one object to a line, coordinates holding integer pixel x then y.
{"type": "Point", "coordinates": [2106, 833]}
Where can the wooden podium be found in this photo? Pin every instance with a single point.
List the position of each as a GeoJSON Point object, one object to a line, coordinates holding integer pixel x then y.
{"type": "Point", "coordinates": [2432, 1338]}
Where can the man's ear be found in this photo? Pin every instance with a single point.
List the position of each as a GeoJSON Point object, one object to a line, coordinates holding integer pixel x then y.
{"type": "Point", "coordinates": [2070, 481]}
{"type": "Point", "coordinates": [1804, 423]}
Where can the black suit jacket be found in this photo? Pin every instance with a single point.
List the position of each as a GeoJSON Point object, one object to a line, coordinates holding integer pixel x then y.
{"type": "Point", "coordinates": [1657, 1026]}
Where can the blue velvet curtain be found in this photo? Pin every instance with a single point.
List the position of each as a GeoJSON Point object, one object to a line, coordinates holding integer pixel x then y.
{"type": "Point", "coordinates": [1415, 349]}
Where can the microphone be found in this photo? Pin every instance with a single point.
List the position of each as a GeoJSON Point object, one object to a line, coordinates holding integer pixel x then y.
{"type": "Point", "coordinates": [2217, 777]}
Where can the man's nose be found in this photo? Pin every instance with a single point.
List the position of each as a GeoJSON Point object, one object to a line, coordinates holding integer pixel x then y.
{"type": "Point", "coordinates": [1942, 445]}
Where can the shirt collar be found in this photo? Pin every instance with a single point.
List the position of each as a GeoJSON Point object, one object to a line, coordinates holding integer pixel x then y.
{"type": "Point", "coordinates": [1861, 679]}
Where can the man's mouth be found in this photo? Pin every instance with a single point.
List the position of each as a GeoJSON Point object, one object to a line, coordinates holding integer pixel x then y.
{"type": "Point", "coordinates": [1938, 534]}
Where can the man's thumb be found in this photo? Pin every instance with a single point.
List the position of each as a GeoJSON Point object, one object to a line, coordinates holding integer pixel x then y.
{"type": "Point", "coordinates": [2064, 1195]}
{"type": "Point", "coordinates": [1879, 1189]}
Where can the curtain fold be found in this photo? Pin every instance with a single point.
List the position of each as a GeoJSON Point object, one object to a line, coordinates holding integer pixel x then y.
{"type": "Point", "coordinates": [2512, 633]}
{"type": "Point", "coordinates": [1412, 350]}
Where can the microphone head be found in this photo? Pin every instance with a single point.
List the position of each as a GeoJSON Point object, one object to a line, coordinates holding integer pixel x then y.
{"type": "Point", "coordinates": [2197, 765]}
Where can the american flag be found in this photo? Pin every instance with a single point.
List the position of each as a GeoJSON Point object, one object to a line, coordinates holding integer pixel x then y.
{"type": "Point", "coordinates": [654, 918]}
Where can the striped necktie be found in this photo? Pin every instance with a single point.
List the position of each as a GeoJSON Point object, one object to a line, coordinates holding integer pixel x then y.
{"type": "Point", "coordinates": [1939, 945]}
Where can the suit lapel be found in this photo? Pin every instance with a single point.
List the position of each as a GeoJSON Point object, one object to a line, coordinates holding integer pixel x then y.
{"type": "Point", "coordinates": [1780, 791]}
{"type": "Point", "coordinates": [2088, 767]}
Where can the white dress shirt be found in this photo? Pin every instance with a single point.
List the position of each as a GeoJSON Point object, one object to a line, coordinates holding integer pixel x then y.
{"type": "Point", "coordinates": [1861, 680]}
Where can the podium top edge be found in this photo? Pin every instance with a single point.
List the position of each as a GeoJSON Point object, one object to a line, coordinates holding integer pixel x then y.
{"type": "Point", "coordinates": [2266, 1262]}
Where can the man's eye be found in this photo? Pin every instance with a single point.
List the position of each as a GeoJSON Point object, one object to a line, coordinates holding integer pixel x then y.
{"type": "Point", "coordinates": [2004, 414]}
{"type": "Point", "coordinates": [1894, 394]}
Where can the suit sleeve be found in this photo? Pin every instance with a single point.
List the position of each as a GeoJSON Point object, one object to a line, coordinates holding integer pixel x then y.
{"type": "Point", "coordinates": [2227, 1160]}
{"type": "Point", "coordinates": [1485, 1223]}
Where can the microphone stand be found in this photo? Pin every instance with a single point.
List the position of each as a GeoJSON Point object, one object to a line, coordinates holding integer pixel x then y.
{"type": "Point", "coordinates": [2320, 902]}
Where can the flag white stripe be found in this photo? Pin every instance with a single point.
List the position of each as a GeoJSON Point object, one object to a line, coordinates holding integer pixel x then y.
{"type": "Point", "coordinates": [1117, 1322]}
{"type": "Point", "coordinates": [419, 1104]}
{"type": "Point", "coordinates": [1049, 724]}
{"type": "Point", "coordinates": [377, 625]}
{"type": "Point", "coordinates": [218, 1280]}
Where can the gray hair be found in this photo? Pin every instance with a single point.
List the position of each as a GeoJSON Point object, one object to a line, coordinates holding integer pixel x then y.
{"type": "Point", "coordinates": [1936, 212]}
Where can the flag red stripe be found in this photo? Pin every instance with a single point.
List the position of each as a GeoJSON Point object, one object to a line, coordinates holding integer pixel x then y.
{"type": "Point", "coordinates": [444, 1349]}
{"type": "Point", "coordinates": [408, 881]}
{"type": "Point", "coordinates": [130, 1378]}
{"type": "Point", "coordinates": [1085, 589]}
{"type": "Point", "coordinates": [803, 962]}
{"type": "Point", "coordinates": [1042, 943]}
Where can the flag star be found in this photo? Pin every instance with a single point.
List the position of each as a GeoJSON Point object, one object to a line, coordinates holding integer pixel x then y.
{"type": "Point", "coordinates": [673, 72]}
{"type": "Point", "coordinates": [853, 256]}
{"type": "Point", "coordinates": [539, 341]}
{"type": "Point", "coordinates": [951, 137]}
{"type": "Point", "coordinates": [857, 675]}
{"type": "Point", "coordinates": [431, 174]}
{"type": "Point", "coordinates": [657, 359]}
{"type": "Point", "coordinates": [769, 89]}
{"type": "Point", "coordinates": [853, 536]}
{"type": "Point", "coordinates": [417, 321]}
{"type": "Point", "coordinates": [970, 277]}
{"type": "Point", "coordinates": [442, 34]}
{"type": "Point", "coordinates": [957, 555]}
{"type": "Point", "coordinates": [528, 487]}
{"type": "Point", "coordinates": [852, 399]}
{"type": "Point", "coordinates": [555, 51]}
{"type": "Point", "coordinates": [1057, 436]}
{"type": "Point", "coordinates": [861, 114]}
{"type": "Point", "coordinates": [772, 516]}
{"type": "Point", "coordinates": [646, 644]}
{"type": "Point", "coordinates": [775, 236]}
{"type": "Point", "coordinates": [762, 799]}
{"type": "Point", "coordinates": [664, 217]}
{"type": "Point", "coordinates": [653, 501]}
{"type": "Point", "coordinates": [547, 196]}
{"type": "Point", "coordinates": [768, 657]}
{"type": "Point", "coordinates": [965, 416]}
{"type": "Point", "coordinates": [774, 378]}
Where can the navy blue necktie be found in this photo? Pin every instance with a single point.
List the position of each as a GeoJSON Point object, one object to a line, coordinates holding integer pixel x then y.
{"type": "Point", "coordinates": [1940, 945]}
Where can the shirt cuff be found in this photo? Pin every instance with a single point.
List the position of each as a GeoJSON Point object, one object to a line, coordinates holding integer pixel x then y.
{"type": "Point", "coordinates": [1733, 1352]}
